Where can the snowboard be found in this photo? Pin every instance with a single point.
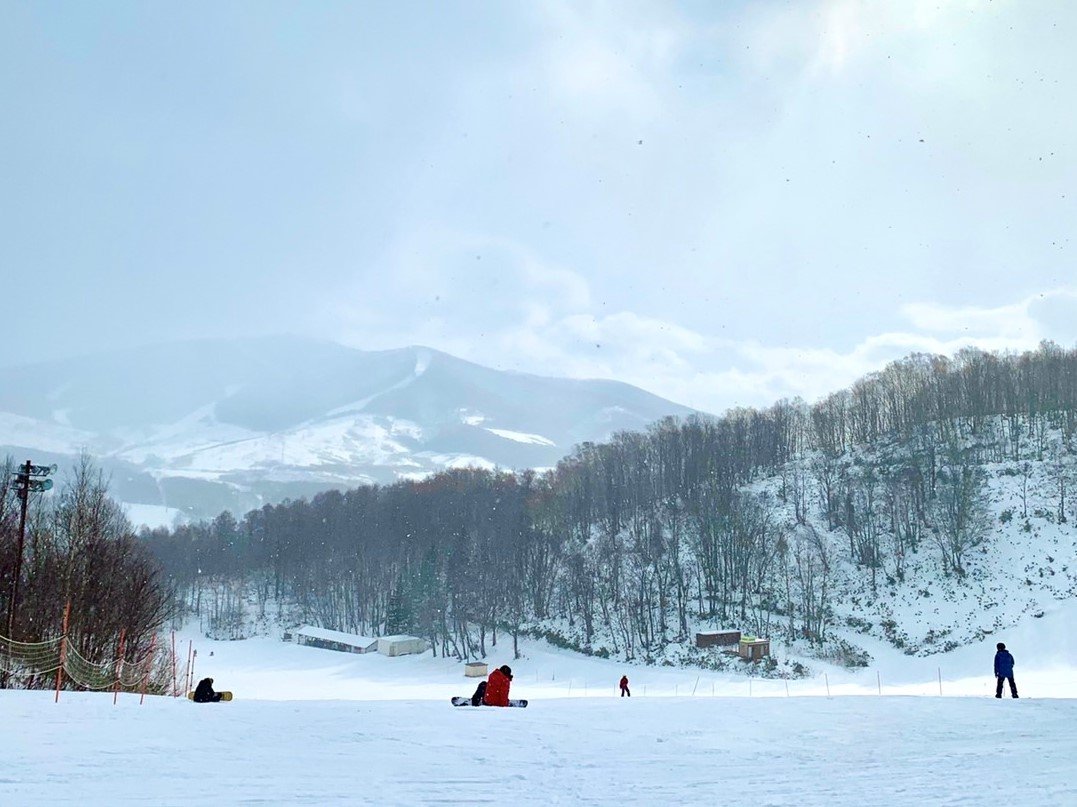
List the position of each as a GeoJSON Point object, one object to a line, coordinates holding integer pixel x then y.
{"type": "Point", "coordinates": [458, 701]}
{"type": "Point", "coordinates": [225, 696]}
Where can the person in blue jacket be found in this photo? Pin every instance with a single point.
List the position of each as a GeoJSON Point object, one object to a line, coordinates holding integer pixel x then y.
{"type": "Point", "coordinates": [1004, 670]}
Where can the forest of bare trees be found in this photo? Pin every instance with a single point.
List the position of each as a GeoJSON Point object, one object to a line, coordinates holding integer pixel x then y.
{"type": "Point", "coordinates": [629, 545]}
{"type": "Point", "coordinates": [80, 549]}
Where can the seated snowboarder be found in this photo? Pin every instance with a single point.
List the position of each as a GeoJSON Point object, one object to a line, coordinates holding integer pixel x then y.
{"type": "Point", "coordinates": [497, 688]}
{"type": "Point", "coordinates": [204, 693]}
{"type": "Point", "coordinates": [1004, 670]}
{"type": "Point", "coordinates": [480, 691]}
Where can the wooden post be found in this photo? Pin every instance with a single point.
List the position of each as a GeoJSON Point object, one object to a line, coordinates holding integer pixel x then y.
{"type": "Point", "coordinates": [827, 680]}
{"type": "Point", "coordinates": [696, 685]}
{"type": "Point", "coordinates": [63, 652]}
{"type": "Point", "coordinates": [187, 673]}
{"type": "Point", "coordinates": [174, 682]}
{"type": "Point", "coordinates": [119, 666]}
{"type": "Point", "coordinates": [149, 669]}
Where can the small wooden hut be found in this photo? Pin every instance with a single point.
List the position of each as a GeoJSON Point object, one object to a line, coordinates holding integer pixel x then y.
{"type": "Point", "coordinates": [753, 649]}
{"type": "Point", "coordinates": [717, 638]}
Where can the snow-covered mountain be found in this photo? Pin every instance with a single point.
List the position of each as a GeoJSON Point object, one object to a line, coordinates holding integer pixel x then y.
{"type": "Point", "coordinates": [206, 425]}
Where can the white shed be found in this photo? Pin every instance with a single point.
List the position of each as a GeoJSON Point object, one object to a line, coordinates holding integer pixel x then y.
{"type": "Point", "coordinates": [326, 639]}
{"type": "Point", "coordinates": [400, 645]}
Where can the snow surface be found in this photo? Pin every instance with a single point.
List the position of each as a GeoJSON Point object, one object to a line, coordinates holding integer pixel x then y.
{"type": "Point", "coordinates": [41, 435]}
{"type": "Point", "coordinates": [523, 437]}
{"type": "Point", "coordinates": [314, 726]}
{"type": "Point", "coordinates": [638, 751]}
{"type": "Point", "coordinates": [152, 515]}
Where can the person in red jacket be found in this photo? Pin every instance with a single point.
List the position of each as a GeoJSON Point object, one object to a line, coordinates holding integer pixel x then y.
{"type": "Point", "coordinates": [497, 688]}
{"type": "Point", "coordinates": [624, 686]}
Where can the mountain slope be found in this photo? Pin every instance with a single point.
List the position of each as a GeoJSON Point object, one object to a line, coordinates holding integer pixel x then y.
{"type": "Point", "coordinates": [234, 423]}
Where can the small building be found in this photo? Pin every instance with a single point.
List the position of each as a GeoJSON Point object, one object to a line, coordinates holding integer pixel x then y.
{"type": "Point", "coordinates": [717, 638]}
{"type": "Point", "coordinates": [475, 669]}
{"type": "Point", "coordinates": [752, 649]}
{"type": "Point", "coordinates": [325, 639]}
{"type": "Point", "coordinates": [400, 645]}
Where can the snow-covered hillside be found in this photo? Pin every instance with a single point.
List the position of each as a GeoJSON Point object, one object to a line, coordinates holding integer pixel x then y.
{"type": "Point", "coordinates": [204, 426]}
{"type": "Point", "coordinates": [314, 726]}
{"type": "Point", "coordinates": [1020, 567]}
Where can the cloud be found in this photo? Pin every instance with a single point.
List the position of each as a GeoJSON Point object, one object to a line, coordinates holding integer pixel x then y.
{"type": "Point", "coordinates": [607, 57]}
{"type": "Point", "coordinates": [499, 303]}
{"type": "Point", "coordinates": [808, 169]}
{"type": "Point", "coordinates": [1023, 323]}
{"type": "Point", "coordinates": [768, 372]}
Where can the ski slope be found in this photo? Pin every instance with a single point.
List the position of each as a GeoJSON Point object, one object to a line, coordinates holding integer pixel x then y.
{"type": "Point", "coordinates": [313, 726]}
{"type": "Point", "coordinates": [639, 751]}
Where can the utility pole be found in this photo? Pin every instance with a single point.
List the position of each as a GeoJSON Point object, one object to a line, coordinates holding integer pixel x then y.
{"type": "Point", "coordinates": [29, 479]}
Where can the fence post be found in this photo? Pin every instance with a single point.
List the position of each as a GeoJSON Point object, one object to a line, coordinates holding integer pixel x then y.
{"type": "Point", "coordinates": [940, 680]}
{"type": "Point", "coordinates": [119, 666]}
{"type": "Point", "coordinates": [749, 687]}
{"type": "Point", "coordinates": [175, 683]}
{"type": "Point", "coordinates": [63, 652]}
{"type": "Point", "coordinates": [187, 672]}
{"type": "Point", "coordinates": [696, 685]}
{"type": "Point", "coordinates": [827, 680]}
{"type": "Point", "coordinates": [149, 669]}
{"type": "Point", "coordinates": [879, 678]}
{"type": "Point", "coordinates": [787, 687]}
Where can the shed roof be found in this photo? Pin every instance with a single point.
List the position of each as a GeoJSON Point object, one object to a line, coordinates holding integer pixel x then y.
{"type": "Point", "coordinates": [400, 637]}
{"type": "Point", "coordinates": [335, 636]}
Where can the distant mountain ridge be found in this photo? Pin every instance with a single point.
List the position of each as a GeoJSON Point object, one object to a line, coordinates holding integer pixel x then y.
{"type": "Point", "coordinates": [205, 425]}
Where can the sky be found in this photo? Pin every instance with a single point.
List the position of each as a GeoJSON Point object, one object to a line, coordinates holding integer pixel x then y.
{"type": "Point", "coordinates": [723, 203]}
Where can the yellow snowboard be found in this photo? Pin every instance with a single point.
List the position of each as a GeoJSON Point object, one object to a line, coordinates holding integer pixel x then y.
{"type": "Point", "coordinates": [225, 696]}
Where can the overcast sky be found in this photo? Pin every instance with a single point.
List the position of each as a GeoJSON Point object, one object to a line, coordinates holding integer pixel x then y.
{"type": "Point", "coordinates": [722, 202]}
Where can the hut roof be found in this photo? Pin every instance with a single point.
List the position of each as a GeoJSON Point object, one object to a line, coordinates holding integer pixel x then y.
{"type": "Point", "coordinates": [335, 636]}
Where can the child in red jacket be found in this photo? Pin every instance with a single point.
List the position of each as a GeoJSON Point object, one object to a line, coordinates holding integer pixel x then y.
{"type": "Point", "coordinates": [497, 688]}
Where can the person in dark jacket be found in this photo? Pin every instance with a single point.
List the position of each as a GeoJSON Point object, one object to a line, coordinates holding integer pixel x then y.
{"type": "Point", "coordinates": [497, 688]}
{"type": "Point", "coordinates": [1004, 670]}
{"type": "Point", "coordinates": [204, 693]}
{"type": "Point", "coordinates": [480, 692]}
{"type": "Point", "coordinates": [624, 686]}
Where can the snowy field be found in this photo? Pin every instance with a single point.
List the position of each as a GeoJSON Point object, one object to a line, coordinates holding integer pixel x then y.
{"type": "Point", "coordinates": [312, 726]}
{"type": "Point", "coordinates": [646, 751]}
